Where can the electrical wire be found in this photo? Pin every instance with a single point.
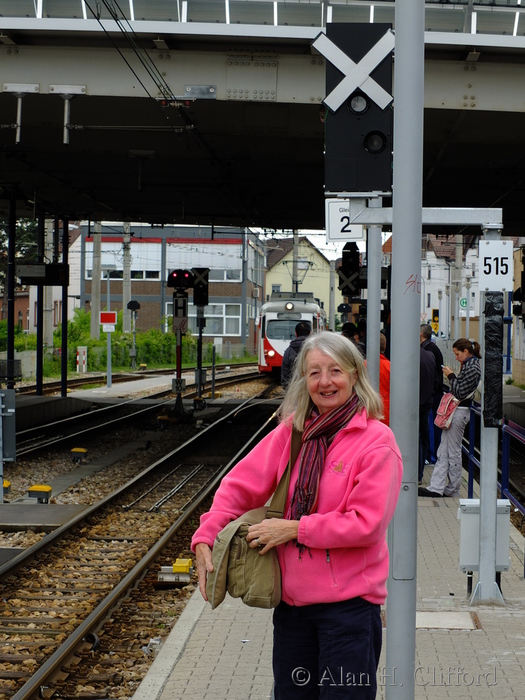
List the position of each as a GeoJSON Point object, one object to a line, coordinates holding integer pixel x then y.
{"type": "Point", "coordinates": [164, 89]}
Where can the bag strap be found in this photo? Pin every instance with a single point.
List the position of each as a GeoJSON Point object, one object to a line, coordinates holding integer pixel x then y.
{"type": "Point", "coordinates": [276, 507]}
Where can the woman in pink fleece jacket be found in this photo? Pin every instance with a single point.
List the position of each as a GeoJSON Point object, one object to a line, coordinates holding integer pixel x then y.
{"type": "Point", "coordinates": [331, 544]}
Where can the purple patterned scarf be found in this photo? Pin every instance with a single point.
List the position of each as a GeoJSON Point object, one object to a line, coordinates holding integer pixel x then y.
{"type": "Point", "coordinates": [316, 438]}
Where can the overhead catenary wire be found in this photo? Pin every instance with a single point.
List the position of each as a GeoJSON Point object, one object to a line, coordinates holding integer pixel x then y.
{"type": "Point", "coordinates": [164, 89]}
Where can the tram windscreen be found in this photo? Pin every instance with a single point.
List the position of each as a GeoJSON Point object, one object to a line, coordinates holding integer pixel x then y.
{"type": "Point", "coordinates": [282, 329]}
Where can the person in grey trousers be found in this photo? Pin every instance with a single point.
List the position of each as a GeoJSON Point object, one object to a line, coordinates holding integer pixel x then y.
{"type": "Point", "coordinates": [446, 477]}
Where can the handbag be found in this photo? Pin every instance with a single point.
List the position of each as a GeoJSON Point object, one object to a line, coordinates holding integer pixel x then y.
{"type": "Point", "coordinates": [238, 568]}
{"type": "Point", "coordinates": [445, 411]}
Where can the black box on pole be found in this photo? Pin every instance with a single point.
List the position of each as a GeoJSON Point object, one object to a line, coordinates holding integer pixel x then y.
{"type": "Point", "coordinates": [358, 135]}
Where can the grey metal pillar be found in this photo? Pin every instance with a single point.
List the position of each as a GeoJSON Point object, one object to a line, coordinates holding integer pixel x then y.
{"type": "Point", "coordinates": [456, 287]}
{"type": "Point", "coordinates": [491, 341]}
{"type": "Point", "coordinates": [164, 277]}
{"type": "Point", "coordinates": [404, 395]}
{"type": "Point", "coordinates": [373, 302]}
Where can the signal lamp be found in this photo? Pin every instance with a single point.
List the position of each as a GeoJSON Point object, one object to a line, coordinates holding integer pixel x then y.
{"type": "Point", "coordinates": [375, 142]}
{"type": "Point", "coordinates": [180, 279]}
{"type": "Point", "coordinates": [358, 104]}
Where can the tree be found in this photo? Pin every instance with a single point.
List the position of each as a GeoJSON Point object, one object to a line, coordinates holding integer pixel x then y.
{"type": "Point", "coordinates": [25, 247]}
{"type": "Point", "coordinates": [25, 244]}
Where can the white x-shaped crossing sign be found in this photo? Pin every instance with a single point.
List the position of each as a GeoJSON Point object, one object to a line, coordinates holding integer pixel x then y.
{"type": "Point", "coordinates": [357, 75]}
{"type": "Point", "coordinates": [200, 276]}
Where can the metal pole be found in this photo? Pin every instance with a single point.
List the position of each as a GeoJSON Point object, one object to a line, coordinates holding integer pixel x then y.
{"type": "Point", "coordinates": [457, 332]}
{"type": "Point", "coordinates": [295, 271]}
{"type": "Point", "coordinates": [10, 286]}
{"type": "Point", "coordinates": [458, 264]}
{"type": "Point", "coordinates": [467, 322]}
{"type": "Point", "coordinates": [63, 359]}
{"type": "Point", "coordinates": [108, 334]}
{"type": "Point", "coordinates": [213, 352]}
{"type": "Point", "coordinates": [134, 358]}
{"type": "Point", "coordinates": [406, 270]}
{"type": "Point", "coordinates": [487, 589]}
{"type": "Point", "coordinates": [40, 310]}
{"type": "Point", "coordinates": [331, 312]}
{"type": "Point", "coordinates": [126, 278]}
{"type": "Point", "coordinates": [373, 303]}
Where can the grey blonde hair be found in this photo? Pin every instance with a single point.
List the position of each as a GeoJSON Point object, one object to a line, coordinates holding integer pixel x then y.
{"type": "Point", "coordinates": [297, 401]}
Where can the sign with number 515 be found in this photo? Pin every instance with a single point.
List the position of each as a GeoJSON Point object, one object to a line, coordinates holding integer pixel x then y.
{"type": "Point", "coordinates": [496, 266]}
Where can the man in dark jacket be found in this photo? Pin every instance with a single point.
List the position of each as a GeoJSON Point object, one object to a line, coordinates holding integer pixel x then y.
{"type": "Point", "coordinates": [302, 331]}
{"type": "Point", "coordinates": [427, 371]}
{"type": "Point", "coordinates": [425, 335]}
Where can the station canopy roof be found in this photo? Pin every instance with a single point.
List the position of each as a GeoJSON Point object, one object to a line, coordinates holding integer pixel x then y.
{"type": "Point", "coordinates": [221, 162]}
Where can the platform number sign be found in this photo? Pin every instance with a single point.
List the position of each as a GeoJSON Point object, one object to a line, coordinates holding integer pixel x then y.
{"type": "Point", "coordinates": [496, 266]}
{"type": "Point", "coordinates": [339, 226]}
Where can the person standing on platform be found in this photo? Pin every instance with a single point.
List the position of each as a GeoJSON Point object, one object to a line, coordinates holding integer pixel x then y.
{"type": "Point", "coordinates": [384, 379]}
{"type": "Point", "coordinates": [446, 477]}
{"type": "Point", "coordinates": [302, 331]}
{"type": "Point", "coordinates": [349, 330]}
{"type": "Point", "coordinates": [331, 543]}
{"type": "Point", "coordinates": [427, 375]}
{"type": "Point", "coordinates": [425, 338]}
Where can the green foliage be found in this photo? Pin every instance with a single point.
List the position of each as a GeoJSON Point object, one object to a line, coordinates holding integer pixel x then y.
{"type": "Point", "coordinates": [154, 348]}
{"type": "Point", "coordinates": [21, 340]}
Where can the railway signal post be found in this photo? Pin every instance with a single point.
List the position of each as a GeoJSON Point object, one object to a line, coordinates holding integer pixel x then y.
{"type": "Point", "coordinates": [181, 280]}
{"type": "Point", "coordinates": [200, 300]}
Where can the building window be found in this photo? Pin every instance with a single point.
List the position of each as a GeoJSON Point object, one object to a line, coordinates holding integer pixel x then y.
{"type": "Point", "coordinates": [224, 276]}
{"type": "Point", "coordinates": [221, 319]}
{"type": "Point", "coordinates": [276, 288]}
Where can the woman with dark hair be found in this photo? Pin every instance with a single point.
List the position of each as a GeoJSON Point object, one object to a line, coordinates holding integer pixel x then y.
{"type": "Point", "coordinates": [446, 477]}
{"type": "Point", "coordinates": [331, 544]}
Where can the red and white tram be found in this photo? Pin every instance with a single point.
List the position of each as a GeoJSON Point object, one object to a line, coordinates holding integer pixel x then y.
{"type": "Point", "coordinates": [276, 325]}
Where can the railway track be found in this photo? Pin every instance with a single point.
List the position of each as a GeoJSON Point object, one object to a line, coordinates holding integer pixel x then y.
{"type": "Point", "coordinates": [57, 594]}
{"type": "Point", "coordinates": [54, 387]}
{"type": "Point", "coordinates": [102, 419]}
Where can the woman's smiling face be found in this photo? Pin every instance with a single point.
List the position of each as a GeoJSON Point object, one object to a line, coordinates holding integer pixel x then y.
{"type": "Point", "coordinates": [328, 385]}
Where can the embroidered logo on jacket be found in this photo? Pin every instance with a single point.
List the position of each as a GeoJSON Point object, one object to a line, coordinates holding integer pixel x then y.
{"type": "Point", "coordinates": [339, 468]}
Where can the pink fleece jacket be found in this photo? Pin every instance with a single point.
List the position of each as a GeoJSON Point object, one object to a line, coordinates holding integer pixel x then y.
{"type": "Point", "coordinates": [346, 553]}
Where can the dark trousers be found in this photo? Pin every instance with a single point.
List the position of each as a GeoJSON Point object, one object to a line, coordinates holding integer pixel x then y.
{"type": "Point", "coordinates": [327, 651]}
{"type": "Point", "coordinates": [424, 438]}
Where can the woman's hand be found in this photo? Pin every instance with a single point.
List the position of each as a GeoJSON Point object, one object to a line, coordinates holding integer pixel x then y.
{"type": "Point", "coordinates": [271, 532]}
{"type": "Point", "coordinates": [204, 566]}
{"type": "Point", "coordinates": [446, 371]}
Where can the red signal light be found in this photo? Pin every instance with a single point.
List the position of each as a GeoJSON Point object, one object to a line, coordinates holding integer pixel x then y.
{"type": "Point", "coordinates": [180, 279]}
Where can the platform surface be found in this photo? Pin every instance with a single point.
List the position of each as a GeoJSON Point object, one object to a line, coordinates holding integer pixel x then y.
{"type": "Point", "coordinates": [462, 650]}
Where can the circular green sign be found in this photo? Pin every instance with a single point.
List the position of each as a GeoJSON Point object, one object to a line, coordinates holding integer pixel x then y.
{"type": "Point", "coordinates": [463, 303]}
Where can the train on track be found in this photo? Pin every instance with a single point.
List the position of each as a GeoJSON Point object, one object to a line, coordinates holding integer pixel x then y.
{"type": "Point", "coordinates": [276, 325]}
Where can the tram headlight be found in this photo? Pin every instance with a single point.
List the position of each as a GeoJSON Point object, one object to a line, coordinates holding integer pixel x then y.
{"type": "Point", "coordinates": [271, 353]}
{"type": "Point", "coordinates": [288, 306]}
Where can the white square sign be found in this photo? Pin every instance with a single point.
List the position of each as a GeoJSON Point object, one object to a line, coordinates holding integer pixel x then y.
{"type": "Point", "coordinates": [496, 266]}
{"type": "Point", "coordinates": [338, 226]}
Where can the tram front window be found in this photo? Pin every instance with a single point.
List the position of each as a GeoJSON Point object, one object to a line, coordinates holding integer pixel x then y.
{"type": "Point", "coordinates": [281, 330]}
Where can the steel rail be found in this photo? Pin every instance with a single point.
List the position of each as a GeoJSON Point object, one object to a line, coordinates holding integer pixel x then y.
{"type": "Point", "coordinates": [35, 686]}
